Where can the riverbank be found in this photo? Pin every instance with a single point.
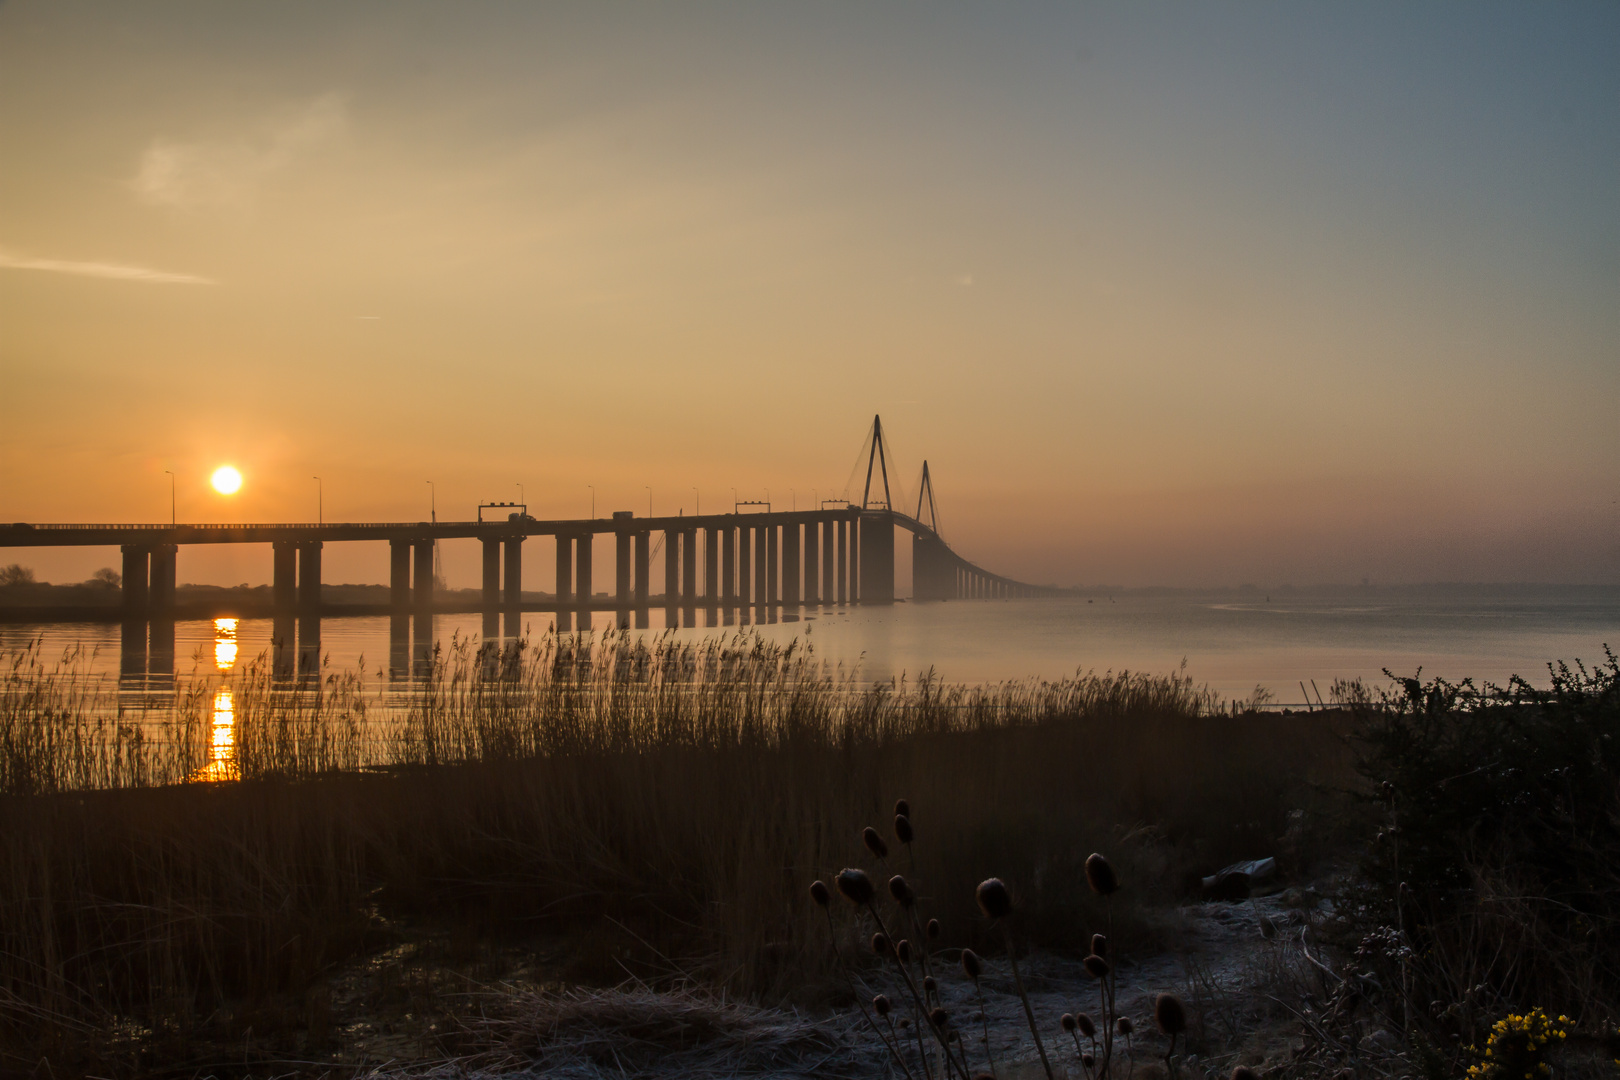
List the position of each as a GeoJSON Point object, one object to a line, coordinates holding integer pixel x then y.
{"type": "Point", "coordinates": [637, 829]}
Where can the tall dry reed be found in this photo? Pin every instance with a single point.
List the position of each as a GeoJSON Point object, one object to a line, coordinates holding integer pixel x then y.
{"type": "Point", "coordinates": [671, 802]}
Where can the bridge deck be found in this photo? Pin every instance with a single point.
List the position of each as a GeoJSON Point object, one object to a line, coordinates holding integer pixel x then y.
{"type": "Point", "coordinates": [25, 534]}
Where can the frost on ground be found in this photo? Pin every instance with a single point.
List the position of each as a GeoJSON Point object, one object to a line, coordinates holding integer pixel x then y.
{"type": "Point", "coordinates": [1231, 957]}
{"type": "Point", "coordinates": [586, 1034]}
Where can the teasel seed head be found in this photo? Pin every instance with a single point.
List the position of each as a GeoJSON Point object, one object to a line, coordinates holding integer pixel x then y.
{"type": "Point", "coordinates": [1099, 945]}
{"type": "Point", "coordinates": [1087, 1028]}
{"type": "Point", "coordinates": [880, 1005]}
{"type": "Point", "coordinates": [1097, 967]}
{"type": "Point", "coordinates": [902, 808]}
{"type": "Point", "coordinates": [929, 985]}
{"type": "Point", "coordinates": [939, 1018]}
{"type": "Point", "coordinates": [1089, 1061]}
{"type": "Point", "coordinates": [934, 930]}
{"type": "Point", "coordinates": [970, 964]}
{"type": "Point", "coordinates": [1066, 1021]}
{"type": "Point", "coordinates": [820, 893]}
{"type": "Point", "coordinates": [902, 949]}
{"type": "Point", "coordinates": [1243, 1072]}
{"type": "Point", "coordinates": [1169, 1014]}
{"type": "Point", "coordinates": [902, 829]}
{"type": "Point", "coordinates": [855, 885]}
{"type": "Point", "coordinates": [880, 943]}
{"type": "Point", "coordinates": [994, 900]}
{"type": "Point", "coordinates": [901, 890]}
{"type": "Point", "coordinates": [875, 843]}
{"type": "Point", "coordinates": [1125, 1025]}
{"type": "Point", "coordinates": [1100, 875]}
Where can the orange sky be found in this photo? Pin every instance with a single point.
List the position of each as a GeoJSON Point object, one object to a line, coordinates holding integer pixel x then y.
{"type": "Point", "coordinates": [1244, 295]}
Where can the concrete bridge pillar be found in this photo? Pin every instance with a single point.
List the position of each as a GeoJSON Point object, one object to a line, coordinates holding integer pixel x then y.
{"type": "Point", "coordinates": [422, 600]}
{"type": "Point", "coordinates": [309, 607]}
{"type": "Point", "coordinates": [512, 586]}
{"type": "Point", "coordinates": [843, 561]}
{"type": "Point", "coordinates": [136, 608]}
{"type": "Point", "coordinates": [791, 568]}
{"type": "Point", "coordinates": [309, 577]}
{"type": "Point", "coordinates": [137, 559]}
{"type": "Point", "coordinates": [161, 595]}
{"type": "Point", "coordinates": [622, 544]}
{"type": "Point", "coordinates": [812, 562]}
{"type": "Point", "coordinates": [160, 604]}
{"type": "Point", "coordinates": [582, 580]}
{"type": "Point", "coordinates": [829, 561]}
{"type": "Point", "coordinates": [762, 566]}
{"type": "Point", "coordinates": [855, 593]}
{"type": "Point", "coordinates": [711, 567]}
{"type": "Point", "coordinates": [491, 599]}
{"type": "Point", "coordinates": [877, 558]}
{"type": "Point", "coordinates": [930, 568]}
{"type": "Point", "coordinates": [745, 565]}
{"type": "Point", "coordinates": [283, 606]}
{"type": "Point", "coordinates": [565, 581]}
{"type": "Point", "coordinates": [689, 585]}
{"type": "Point", "coordinates": [672, 575]}
{"type": "Point", "coordinates": [728, 566]}
{"type": "Point", "coordinates": [399, 576]}
{"type": "Point", "coordinates": [399, 607]}
{"type": "Point", "coordinates": [643, 577]}
{"type": "Point", "coordinates": [773, 578]}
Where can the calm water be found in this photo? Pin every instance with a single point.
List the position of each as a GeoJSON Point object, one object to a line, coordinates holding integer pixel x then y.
{"type": "Point", "coordinates": [1231, 641]}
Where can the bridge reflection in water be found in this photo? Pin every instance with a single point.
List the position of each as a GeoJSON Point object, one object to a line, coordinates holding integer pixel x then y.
{"type": "Point", "coordinates": [751, 564]}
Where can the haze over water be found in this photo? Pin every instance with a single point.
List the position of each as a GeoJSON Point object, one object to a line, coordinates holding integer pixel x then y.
{"type": "Point", "coordinates": [1231, 640]}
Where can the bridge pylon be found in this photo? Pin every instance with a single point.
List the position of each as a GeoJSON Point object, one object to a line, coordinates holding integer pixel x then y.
{"type": "Point", "coordinates": [878, 456]}
{"type": "Point", "coordinates": [925, 497]}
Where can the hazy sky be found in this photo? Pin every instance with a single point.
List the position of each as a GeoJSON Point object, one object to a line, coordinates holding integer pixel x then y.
{"type": "Point", "coordinates": [1175, 294]}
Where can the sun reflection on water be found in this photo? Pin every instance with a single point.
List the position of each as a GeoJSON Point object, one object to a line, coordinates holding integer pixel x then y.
{"type": "Point", "coordinates": [222, 738]}
{"type": "Point", "coordinates": [224, 644]}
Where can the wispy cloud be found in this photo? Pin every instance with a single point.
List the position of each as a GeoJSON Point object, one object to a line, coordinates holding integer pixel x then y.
{"type": "Point", "coordinates": [200, 174]}
{"type": "Point", "coordinates": [117, 271]}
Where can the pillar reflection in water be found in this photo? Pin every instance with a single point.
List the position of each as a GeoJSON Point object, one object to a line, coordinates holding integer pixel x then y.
{"type": "Point", "coordinates": [160, 651]}
{"type": "Point", "coordinates": [399, 646]}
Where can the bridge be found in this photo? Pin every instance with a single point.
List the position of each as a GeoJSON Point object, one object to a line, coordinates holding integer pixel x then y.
{"type": "Point", "coordinates": [727, 563]}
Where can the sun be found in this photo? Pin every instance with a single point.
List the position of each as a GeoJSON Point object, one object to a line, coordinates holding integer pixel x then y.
{"type": "Point", "coordinates": [226, 480]}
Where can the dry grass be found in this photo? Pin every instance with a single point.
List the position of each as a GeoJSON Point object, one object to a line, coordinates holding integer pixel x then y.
{"type": "Point", "coordinates": [666, 807]}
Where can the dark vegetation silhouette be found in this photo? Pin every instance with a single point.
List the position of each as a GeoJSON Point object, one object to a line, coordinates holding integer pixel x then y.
{"type": "Point", "coordinates": [660, 811]}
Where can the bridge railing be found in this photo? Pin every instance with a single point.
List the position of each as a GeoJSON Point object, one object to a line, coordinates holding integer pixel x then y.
{"type": "Point", "coordinates": [225, 527]}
